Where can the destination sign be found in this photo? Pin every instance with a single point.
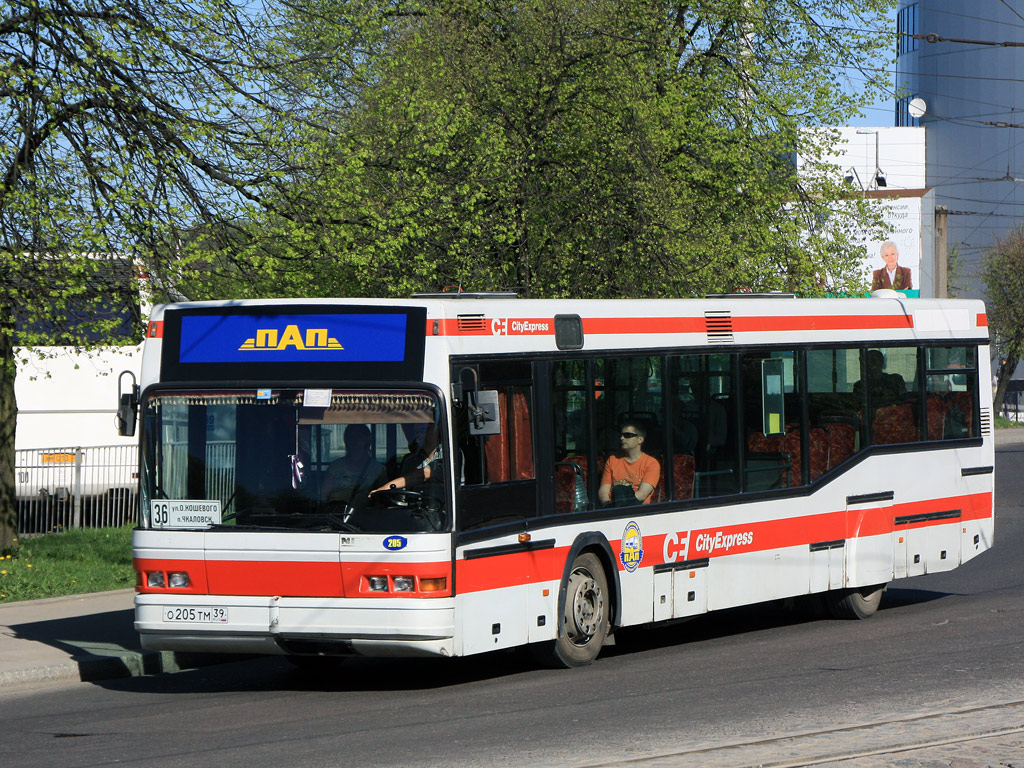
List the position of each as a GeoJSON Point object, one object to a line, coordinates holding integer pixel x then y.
{"type": "Point", "coordinates": [253, 338]}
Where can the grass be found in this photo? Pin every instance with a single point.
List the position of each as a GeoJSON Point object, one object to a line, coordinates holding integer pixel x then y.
{"type": "Point", "coordinates": [1004, 423]}
{"type": "Point", "coordinates": [67, 563]}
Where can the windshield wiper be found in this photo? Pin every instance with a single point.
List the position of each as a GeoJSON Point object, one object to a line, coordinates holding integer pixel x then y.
{"type": "Point", "coordinates": [336, 522]}
{"type": "Point", "coordinates": [340, 524]}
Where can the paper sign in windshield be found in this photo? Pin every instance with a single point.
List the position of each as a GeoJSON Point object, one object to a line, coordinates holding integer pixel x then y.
{"type": "Point", "coordinates": [167, 513]}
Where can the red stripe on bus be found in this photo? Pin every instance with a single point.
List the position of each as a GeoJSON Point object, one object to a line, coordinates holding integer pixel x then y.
{"type": "Point", "coordinates": [511, 570]}
{"type": "Point", "coordinates": [821, 323]}
{"type": "Point", "coordinates": [290, 578]}
{"type": "Point", "coordinates": [613, 325]}
{"type": "Point", "coordinates": [492, 326]}
{"type": "Point", "coordinates": [514, 326]}
{"type": "Point", "coordinates": [267, 577]}
{"type": "Point", "coordinates": [517, 569]}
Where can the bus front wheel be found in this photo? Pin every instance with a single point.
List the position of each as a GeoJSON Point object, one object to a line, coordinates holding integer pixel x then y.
{"type": "Point", "coordinates": [584, 618]}
{"type": "Point", "coordinates": [854, 603]}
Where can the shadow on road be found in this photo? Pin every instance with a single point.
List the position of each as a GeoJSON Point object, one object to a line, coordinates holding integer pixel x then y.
{"type": "Point", "coordinates": [78, 635]}
{"type": "Point", "coordinates": [368, 675]}
{"type": "Point", "coordinates": [898, 597]}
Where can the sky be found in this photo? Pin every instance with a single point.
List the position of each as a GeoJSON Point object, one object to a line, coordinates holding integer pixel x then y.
{"type": "Point", "coordinates": [880, 113]}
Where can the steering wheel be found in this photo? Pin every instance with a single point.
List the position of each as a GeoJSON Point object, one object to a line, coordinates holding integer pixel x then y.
{"type": "Point", "coordinates": [407, 496]}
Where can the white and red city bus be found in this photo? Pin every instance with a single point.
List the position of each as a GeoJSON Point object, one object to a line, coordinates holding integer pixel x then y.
{"type": "Point", "coordinates": [423, 476]}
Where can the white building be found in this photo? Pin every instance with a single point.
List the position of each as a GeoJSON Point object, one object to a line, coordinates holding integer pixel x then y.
{"type": "Point", "coordinates": [888, 164]}
{"type": "Point", "coordinates": [68, 399]}
{"type": "Point", "coordinates": [866, 156]}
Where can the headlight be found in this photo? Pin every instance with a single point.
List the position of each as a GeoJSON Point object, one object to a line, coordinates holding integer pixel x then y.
{"type": "Point", "coordinates": [155, 579]}
{"type": "Point", "coordinates": [178, 580]}
{"type": "Point", "coordinates": [404, 583]}
{"type": "Point", "coordinates": [377, 583]}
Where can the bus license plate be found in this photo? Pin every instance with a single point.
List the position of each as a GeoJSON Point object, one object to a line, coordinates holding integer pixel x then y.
{"type": "Point", "coordinates": [191, 615]}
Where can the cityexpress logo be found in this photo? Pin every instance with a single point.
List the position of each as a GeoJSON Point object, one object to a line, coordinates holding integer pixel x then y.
{"type": "Point", "coordinates": [267, 339]}
{"type": "Point", "coordinates": [710, 542]}
{"type": "Point", "coordinates": [676, 546]}
{"type": "Point", "coordinates": [632, 552]}
{"type": "Point", "coordinates": [502, 326]}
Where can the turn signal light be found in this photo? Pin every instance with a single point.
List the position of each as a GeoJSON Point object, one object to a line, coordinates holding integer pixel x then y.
{"type": "Point", "coordinates": [404, 584]}
{"type": "Point", "coordinates": [434, 585]}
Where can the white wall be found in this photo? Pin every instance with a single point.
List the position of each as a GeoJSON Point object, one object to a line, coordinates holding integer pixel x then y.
{"type": "Point", "coordinates": [64, 406]}
{"type": "Point", "coordinates": [901, 155]}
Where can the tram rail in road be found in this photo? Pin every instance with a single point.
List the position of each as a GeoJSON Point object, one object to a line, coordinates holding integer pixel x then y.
{"type": "Point", "coordinates": [991, 735]}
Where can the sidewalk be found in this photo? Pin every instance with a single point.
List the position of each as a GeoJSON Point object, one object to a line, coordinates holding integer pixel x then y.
{"type": "Point", "coordinates": [81, 637]}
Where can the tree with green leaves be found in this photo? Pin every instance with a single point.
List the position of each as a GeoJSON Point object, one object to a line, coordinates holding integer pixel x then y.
{"type": "Point", "coordinates": [123, 125]}
{"type": "Point", "coordinates": [1002, 271]}
{"type": "Point", "coordinates": [557, 147]}
{"type": "Point", "coordinates": [566, 148]}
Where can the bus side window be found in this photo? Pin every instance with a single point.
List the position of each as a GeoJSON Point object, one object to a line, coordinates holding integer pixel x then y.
{"type": "Point", "coordinates": [508, 455]}
{"type": "Point", "coordinates": [701, 426]}
{"type": "Point", "coordinates": [893, 394]}
{"type": "Point", "coordinates": [573, 446]}
{"type": "Point", "coordinates": [951, 392]}
{"type": "Point", "coordinates": [502, 457]}
{"type": "Point", "coordinates": [498, 475]}
{"type": "Point", "coordinates": [629, 391]}
{"type": "Point", "coordinates": [834, 408]}
{"type": "Point", "coordinates": [773, 422]}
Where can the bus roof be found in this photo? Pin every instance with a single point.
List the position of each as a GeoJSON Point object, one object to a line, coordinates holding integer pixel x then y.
{"type": "Point", "coordinates": [655, 322]}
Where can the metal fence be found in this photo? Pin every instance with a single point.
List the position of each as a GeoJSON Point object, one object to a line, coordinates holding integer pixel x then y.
{"type": "Point", "coordinates": [77, 487]}
{"type": "Point", "coordinates": [1013, 405]}
{"type": "Point", "coordinates": [220, 470]}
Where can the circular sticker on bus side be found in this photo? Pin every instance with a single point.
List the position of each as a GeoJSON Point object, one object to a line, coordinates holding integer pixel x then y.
{"type": "Point", "coordinates": [395, 542]}
{"type": "Point", "coordinates": [632, 551]}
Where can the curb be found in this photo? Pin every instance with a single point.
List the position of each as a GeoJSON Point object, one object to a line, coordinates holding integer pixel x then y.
{"type": "Point", "coordinates": [119, 663]}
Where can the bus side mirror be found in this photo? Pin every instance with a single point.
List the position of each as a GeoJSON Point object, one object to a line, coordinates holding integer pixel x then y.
{"type": "Point", "coordinates": [481, 406]}
{"type": "Point", "coordinates": [466, 383]}
{"type": "Point", "coordinates": [127, 406]}
{"type": "Point", "coordinates": [483, 413]}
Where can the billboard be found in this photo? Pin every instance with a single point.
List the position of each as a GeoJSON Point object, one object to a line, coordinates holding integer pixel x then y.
{"type": "Point", "coordinates": [896, 260]}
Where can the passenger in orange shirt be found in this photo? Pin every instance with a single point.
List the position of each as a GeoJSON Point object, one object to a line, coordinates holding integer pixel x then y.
{"type": "Point", "coordinates": [630, 476]}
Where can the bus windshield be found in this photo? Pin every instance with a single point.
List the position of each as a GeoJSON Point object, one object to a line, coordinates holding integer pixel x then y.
{"type": "Point", "coordinates": [294, 459]}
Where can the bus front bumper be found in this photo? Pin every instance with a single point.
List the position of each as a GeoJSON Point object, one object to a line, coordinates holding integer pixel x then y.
{"type": "Point", "coordinates": [296, 625]}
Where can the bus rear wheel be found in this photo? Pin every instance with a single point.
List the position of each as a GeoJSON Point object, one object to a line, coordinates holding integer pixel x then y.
{"type": "Point", "coordinates": [584, 619]}
{"type": "Point", "coordinates": [857, 603]}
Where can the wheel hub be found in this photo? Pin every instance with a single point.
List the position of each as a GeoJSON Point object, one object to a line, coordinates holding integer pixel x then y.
{"type": "Point", "coordinates": [587, 608]}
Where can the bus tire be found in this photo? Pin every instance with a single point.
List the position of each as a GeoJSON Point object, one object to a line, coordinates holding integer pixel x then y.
{"type": "Point", "coordinates": [857, 603]}
{"type": "Point", "coordinates": [584, 620]}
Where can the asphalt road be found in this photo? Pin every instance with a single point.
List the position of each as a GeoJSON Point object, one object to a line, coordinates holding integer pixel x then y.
{"type": "Point", "coordinates": [941, 660]}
